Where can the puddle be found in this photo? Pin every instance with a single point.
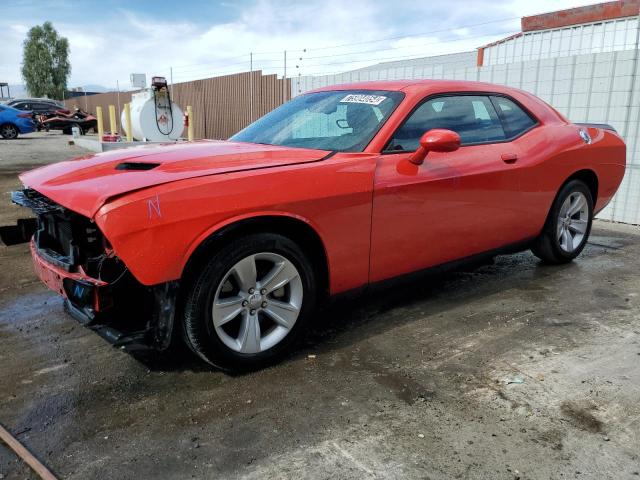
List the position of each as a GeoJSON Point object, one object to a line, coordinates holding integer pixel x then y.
{"type": "Point", "coordinates": [27, 306]}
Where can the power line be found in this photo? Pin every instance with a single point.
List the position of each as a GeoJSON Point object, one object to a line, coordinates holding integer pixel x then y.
{"type": "Point", "coordinates": [246, 55]}
{"type": "Point", "coordinates": [204, 66]}
{"type": "Point", "coordinates": [224, 70]}
{"type": "Point", "coordinates": [218, 68]}
{"type": "Point", "coordinates": [397, 37]}
{"type": "Point", "coordinates": [411, 35]}
{"type": "Point", "coordinates": [395, 57]}
{"type": "Point", "coordinates": [457, 39]}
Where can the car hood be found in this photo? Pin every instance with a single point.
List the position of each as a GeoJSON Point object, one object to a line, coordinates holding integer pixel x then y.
{"type": "Point", "coordinates": [86, 183]}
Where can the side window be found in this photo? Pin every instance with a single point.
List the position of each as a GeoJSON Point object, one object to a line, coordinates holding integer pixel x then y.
{"type": "Point", "coordinates": [514, 119]}
{"type": "Point", "coordinates": [473, 117]}
{"type": "Point", "coordinates": [22, 106]}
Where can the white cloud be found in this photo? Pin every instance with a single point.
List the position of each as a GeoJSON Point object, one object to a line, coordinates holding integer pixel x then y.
{"type": "Point", "coordinates": [106, 49]}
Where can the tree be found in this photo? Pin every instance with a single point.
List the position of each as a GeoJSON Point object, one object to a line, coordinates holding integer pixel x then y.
{"type": "Point", "coordinates": [45, 62]}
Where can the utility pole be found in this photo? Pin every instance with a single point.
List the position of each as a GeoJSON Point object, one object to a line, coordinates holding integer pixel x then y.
{"type": "Point", "coordinates": [284, 79]}
{"type": "Point", "coordinates": [299, 71]}
{"type": "Point", "coordinates": [118, 88]}
{"type": "Point", "coordinates": [251, 85]}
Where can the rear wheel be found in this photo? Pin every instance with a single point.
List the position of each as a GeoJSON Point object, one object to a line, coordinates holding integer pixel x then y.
{"type": "Point", "coordinates": [250, 302]}
{"type": "Point", "coordinates": [8, 131]}
{"type": "Point", "coordinates": [568, 225]}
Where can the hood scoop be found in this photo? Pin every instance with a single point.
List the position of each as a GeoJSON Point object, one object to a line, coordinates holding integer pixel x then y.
{"type": "Point", "coordinates": [139, 166]}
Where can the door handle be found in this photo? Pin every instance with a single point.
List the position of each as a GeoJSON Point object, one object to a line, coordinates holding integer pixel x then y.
{"type": "Point", "coordinates": [509, 157]}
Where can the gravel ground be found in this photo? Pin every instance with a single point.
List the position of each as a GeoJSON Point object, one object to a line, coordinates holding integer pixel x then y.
{"type": "Point", "coordinates": [513, 370]}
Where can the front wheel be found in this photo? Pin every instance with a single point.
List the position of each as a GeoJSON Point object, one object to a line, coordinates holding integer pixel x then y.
{"type": "Point", "coordinates": [250, 302]}
{"type": "Point", "coordinates": [568, 225]}
{"type": "Point", "coordinates": [8, 132]}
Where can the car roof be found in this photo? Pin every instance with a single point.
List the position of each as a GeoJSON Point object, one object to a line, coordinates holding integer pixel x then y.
{"type": "Point", "coordinates": [418, 89]}
{"type": "Point", "coordinates": [41, 100]}
{"type": "Point", "coordinates": [420, 86]}
{"type": "Point", "coordinates": [11, 109]}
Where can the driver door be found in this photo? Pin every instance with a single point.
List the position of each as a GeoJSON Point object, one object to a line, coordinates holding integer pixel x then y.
{"type": "Point", "coordinates": [455, 204]}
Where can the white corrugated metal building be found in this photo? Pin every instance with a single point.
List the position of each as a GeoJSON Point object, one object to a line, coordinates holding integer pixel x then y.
{"type": "Point", "coordinates": [583, 61]}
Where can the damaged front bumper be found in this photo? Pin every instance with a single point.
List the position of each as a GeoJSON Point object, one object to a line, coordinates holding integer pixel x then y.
{"type": "Point", "coordinates": [88, 294]}
{"type": "Point", "coordinates": [97, 305]}
{"type": "Point", "coordinates": [71, 257]}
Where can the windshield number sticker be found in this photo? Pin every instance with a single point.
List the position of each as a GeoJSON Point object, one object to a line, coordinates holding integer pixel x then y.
{"type": "Point", "coordinates": [367, 99]}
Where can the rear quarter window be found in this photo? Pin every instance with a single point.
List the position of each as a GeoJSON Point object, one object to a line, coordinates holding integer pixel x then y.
{"type": "Point", "coordinates": [515, 120]}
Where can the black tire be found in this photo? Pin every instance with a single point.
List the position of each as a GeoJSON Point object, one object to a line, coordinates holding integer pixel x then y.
{"type": "Point", "coordinates": [8, 131]}
{"type": "Point", "coordinates": [547, 246]}
{"type": "Point", "coordinates": [197, 320]}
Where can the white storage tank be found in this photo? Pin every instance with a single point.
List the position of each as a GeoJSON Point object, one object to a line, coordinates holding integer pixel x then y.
{"type": "Point", "coordinates": [153, 117]}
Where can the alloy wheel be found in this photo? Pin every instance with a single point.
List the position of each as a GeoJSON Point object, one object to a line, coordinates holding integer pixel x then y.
{"type": "Point", "coordinates": [257, 303]}
{"type": "Point", "coordinates": [573, 221]}
{"type": "Point", "coordinates": [8, 132]}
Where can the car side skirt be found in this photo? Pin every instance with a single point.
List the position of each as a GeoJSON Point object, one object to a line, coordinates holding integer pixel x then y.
{"type": "Point", "coordinates": [472, 261]}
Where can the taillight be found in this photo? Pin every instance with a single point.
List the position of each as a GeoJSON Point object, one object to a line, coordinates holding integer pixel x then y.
{"type": "Point", "coordinates": [24, 115]}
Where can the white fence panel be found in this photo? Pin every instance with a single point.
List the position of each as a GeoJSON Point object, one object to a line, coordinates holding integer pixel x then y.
{"type": "Point", "coordinates": [605, 36]}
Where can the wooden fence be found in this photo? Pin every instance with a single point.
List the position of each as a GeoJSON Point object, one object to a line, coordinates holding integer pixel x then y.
{"type": "Point", "coordinates": [222, 106]}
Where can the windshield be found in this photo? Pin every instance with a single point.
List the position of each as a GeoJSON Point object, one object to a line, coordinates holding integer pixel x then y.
{"type": "Point", "coordinates": [339, 120]}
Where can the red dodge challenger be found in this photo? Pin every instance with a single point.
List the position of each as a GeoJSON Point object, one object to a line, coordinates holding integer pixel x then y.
{"type": "Point", "coordinates": [232, 244]}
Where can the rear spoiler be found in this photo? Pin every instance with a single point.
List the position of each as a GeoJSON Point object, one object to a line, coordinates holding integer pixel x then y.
{"type": "Point", "coordinates": [603, 126]}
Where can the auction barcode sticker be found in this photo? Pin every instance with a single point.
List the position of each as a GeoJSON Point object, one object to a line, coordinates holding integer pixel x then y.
{"type": "Point", "coordinates": [361, 98]}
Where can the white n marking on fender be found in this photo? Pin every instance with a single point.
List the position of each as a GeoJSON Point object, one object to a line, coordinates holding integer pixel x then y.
{"type": "Point", "coordinates": [153, 207]}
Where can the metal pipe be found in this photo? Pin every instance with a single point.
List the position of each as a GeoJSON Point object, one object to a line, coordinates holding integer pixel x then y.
{"type": "Point", "coordinates": [190, 124]}
{"type": "Point", "coordinates": [100, 123]}
{"type": "Point", "coordinates": [112, 119]}
{"type": "Point", "coordinates": [127, 121]}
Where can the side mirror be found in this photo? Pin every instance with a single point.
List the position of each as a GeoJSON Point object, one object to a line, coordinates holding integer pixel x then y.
{"type": "Point", "coordinates": [436, 140]}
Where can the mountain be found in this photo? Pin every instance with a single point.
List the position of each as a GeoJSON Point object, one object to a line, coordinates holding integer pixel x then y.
{"type": "Point", "coordinates": [95, 88]}
{"type": "Point", "coordinates": [20, 91]}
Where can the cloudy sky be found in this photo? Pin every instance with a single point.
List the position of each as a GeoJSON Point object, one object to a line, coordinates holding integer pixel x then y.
{"type": "Point", "coordinates": [112, 38]}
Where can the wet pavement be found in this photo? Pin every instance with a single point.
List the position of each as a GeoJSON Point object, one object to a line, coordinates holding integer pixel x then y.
{"type": "Point", "coordinates": [511, 370]}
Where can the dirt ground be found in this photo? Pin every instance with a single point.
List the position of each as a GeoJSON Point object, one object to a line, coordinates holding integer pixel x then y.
{"type": "Point", "coordinates": [513, 370]}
